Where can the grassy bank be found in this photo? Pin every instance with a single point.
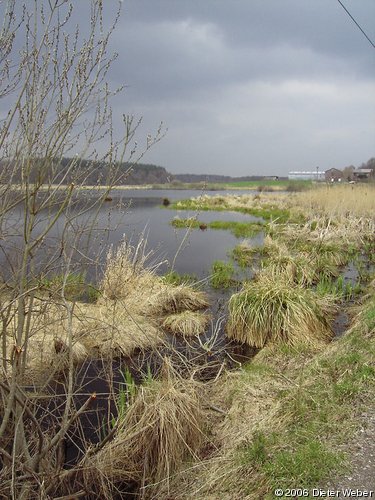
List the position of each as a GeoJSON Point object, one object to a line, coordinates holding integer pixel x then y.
{"type": "Point", "coordinates": [238, 229]}
{"type": "Point", "coordinates": [287, 414]}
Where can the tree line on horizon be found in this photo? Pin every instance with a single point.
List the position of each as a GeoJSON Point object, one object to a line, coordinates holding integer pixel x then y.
{"type": "Point", "coordinates": [91, 172]}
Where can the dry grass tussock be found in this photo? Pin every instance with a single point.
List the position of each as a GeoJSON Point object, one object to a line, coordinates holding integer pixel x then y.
{"type": "Point", "coordinates": [186, 323]}
{"type": "Point", "coordinates": [127, 272]}
{"type": "Point", "coordinates": [251, 405]}
{"type": "Point", "coordinates": [161, 429]}
{"type": "Point", "coordinates": [172, 299]}
{"type": "Point", "coordinates": [129, 314]}
{"type": "Point", "coordinates": [267, 311]}
{"type": "Point", "coordinates": [302, 267]}
{"type": "Point", "coordinates": [283, 264]}
{"type": "Point", "coordinates": [296, 269]}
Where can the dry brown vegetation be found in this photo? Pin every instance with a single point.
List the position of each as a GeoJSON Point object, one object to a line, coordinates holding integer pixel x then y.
{"type": "Point", "coordinates": [278, 311]}
{"type": "Point", "coordinates": [289, 406]}
{"type": "Point", "coordinates": [134, 309]}
{"type": "Point", "coordinates": [338, 201]}
{"type": "Point", "coordinates": [186, 323]}
{"type": "Point", "coordinates": [162, 428]}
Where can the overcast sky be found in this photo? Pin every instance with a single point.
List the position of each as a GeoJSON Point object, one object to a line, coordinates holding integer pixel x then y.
{"type": "Point", "coordinates": [245, 87]}
{"type": "Point", "coordinates": [250, 86]}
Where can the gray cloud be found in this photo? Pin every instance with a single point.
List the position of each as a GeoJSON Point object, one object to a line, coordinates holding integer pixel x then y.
{"type": "Point", "coordinates": [246, 87]}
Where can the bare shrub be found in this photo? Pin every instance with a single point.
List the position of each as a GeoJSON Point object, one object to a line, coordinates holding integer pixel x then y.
{"type": "Point", "coordinates": [54, 81]}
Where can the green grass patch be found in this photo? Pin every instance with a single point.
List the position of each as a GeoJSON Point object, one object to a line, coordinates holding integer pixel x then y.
{"type": "Point", "coordinates": [244, 254]}
{"type": "Point", "coordinates": [370, 318]}
{"type": "Point", "coordinates": [339, 288]}
{"type": "Point", "coordinates": [267, 212]}
{"type": "Point", "coordinates": [174, 278]}
{"type": "Point", "coordinates": [238, 229]}
{"type": "Point", "coordinates": [256, 368]}
{"type": "Point", "coordinates": [305, 465]}
{"type": "Point", "coordinates": [222, 274]}
{"type": "Point", "coordinates": [254, 453]}
{"type": "Point", "coordinates": [189, 223]}
{"type": "Point", "coordinates": [74, 287]}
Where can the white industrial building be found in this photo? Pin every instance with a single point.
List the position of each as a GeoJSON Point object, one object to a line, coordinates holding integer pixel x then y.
{"type": "Point", "coordinates": [306, 176]}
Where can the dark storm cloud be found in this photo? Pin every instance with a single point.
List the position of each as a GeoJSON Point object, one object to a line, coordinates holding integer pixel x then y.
{"type": "Point", "coordinates": [247, 86]}
{"type": "Point", "coordinates": [250, 86]}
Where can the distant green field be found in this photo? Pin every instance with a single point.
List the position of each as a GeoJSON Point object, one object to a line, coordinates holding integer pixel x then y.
{"type": "Point", "coordinates": [258, 183]}
{"type": "Point", "coordinates": [261, 185]}
{"type": "Point", "coordinates": [275, 184]}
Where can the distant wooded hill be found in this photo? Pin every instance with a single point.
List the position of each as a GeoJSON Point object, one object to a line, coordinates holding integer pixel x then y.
{"type": "Point", "coordinates": [81, 171]}
{"type": "Point", "coordinates": [125, 173]}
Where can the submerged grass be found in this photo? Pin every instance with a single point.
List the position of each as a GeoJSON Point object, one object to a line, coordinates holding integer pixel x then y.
{"type": "Point", "coordinates": [340, 289]}
{"type": "Point", "coordinates": [238, 229]}
{"type": "Point", "coordinates": [175, 278]}
{"type": "Point", "coordinates": [74, 286]}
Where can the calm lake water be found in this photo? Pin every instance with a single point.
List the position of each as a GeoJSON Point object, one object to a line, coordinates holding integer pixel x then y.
{"type": "Point", "coordinates": [133, 214]}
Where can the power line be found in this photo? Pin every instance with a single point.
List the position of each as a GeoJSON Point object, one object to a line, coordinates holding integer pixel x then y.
{"type": "Point", "coordinates": [358, 26]}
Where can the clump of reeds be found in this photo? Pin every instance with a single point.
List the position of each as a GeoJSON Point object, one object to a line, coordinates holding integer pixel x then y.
{"type": "Point", "coordinates": [161, 429]}
{"type": "Point", "coordinates": [267, 311]}
{"type": "Point", "coordinates": [358, 200]}
{"type": "Point", "coordinates": [273, 247]}
{"type": "Point", "coordinates": [116, 328]}
{"type": "Point", "coordinates": [186, 323]}
{"type": "Point", "coordinates": [126, 269]}
{"type": "Point", "coordinates": [295, 268]}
